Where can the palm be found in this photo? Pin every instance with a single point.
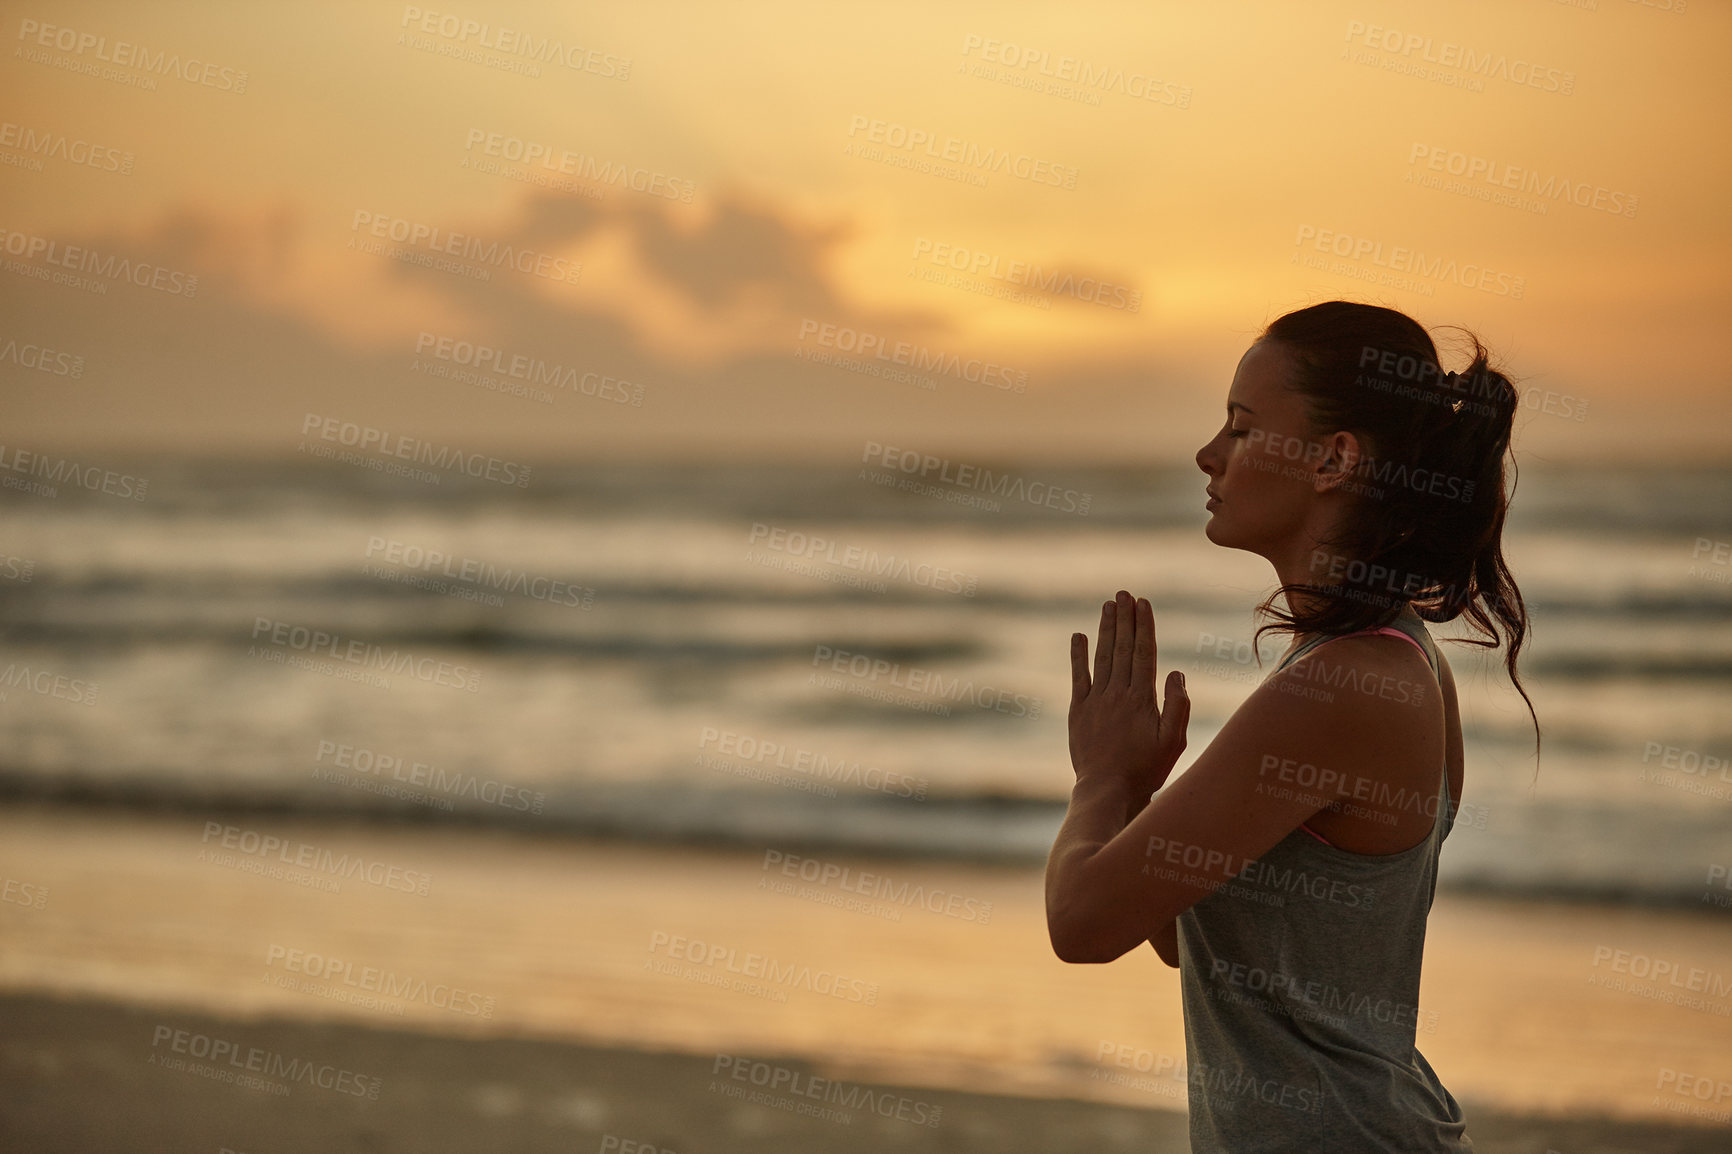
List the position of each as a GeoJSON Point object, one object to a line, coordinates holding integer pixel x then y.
{"type": "Point", "coordinates": [1116, 725]}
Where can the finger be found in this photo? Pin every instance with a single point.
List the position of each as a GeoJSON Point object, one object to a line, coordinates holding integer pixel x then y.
{"type": "Point", "coordinates": [1079, 667]}
{"type": "Point", "coordinates": [1143, 653]}
{"type": "Point", "coordinates": [1125, 610]}
{"type": "Point", "coordinates": [1104, 644]}
{"type": "Point", "coordinates": [1176, 714]}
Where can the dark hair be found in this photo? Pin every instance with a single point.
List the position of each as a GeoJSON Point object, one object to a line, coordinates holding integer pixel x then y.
{"type": "Point", "coordinates": [1429, 494]}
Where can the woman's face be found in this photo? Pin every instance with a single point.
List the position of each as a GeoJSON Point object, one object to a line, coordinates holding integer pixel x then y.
{"type": "Point", "coordinates": [1263, 463]}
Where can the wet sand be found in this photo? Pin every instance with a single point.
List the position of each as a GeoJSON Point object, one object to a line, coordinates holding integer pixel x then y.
{"type": "Point", "coordinates": [560, 949]}
{"type": "Point", "coordinates": [79, 1081]}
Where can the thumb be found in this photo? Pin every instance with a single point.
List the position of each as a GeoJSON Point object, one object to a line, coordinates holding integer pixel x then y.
{"type": "Point", "coordinates": [1176, 710]}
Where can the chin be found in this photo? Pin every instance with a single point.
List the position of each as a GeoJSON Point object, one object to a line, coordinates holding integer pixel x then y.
{"type": "Point", "coordinates": [1220, 532]}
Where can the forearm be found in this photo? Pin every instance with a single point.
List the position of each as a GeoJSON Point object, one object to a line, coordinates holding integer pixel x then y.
{"type": "Point", "coordinates": [1166, 939]}
{"type": "Point", "coordinates": [1100, 808]}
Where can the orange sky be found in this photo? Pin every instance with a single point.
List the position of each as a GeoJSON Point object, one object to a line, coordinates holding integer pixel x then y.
{"type": "Point", "coordinates": [1216, 139]}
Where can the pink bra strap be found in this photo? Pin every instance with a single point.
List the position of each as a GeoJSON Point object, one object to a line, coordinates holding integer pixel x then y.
{"type": "Point", "coordinates": [1407, 637]}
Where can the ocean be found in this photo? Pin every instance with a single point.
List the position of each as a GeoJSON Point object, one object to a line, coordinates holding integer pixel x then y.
{"type": "Point", "coordinates": [804, 655]}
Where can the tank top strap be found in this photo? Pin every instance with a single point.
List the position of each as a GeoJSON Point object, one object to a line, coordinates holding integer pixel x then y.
{"type": "Point", "coordinates": [1407, 625]}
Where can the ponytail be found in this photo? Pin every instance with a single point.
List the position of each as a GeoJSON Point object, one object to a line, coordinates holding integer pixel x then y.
{"type": "Point", "coordinates": [1430, 496]}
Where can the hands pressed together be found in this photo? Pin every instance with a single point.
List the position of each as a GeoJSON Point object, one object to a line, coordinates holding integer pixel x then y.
{"type": "Point", "coordinates": [1117, 730]}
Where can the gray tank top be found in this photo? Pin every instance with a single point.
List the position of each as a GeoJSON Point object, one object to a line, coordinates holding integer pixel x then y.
{"type": "Point", "coordinates": [1300, 981]}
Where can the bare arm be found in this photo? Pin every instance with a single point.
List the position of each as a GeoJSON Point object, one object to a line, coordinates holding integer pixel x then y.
{"type": "Point", "coordinates": [1112, 884]}
{"type": "Point", "coordinates": [1452, 747]}
{"type": "Point", "coordinates": [1166, 943]}
{"type": "Point", "coordinates": [1166, 939]}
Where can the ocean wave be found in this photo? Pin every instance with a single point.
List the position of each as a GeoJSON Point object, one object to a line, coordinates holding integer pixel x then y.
{"type": "Point", "coordinates": [1530, 852]}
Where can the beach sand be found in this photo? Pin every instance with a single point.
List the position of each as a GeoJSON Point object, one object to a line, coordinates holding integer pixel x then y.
{"type": "Point", "coordinates": [531, 969]}
{"type": "Point", "coordinates": [78, 1081]}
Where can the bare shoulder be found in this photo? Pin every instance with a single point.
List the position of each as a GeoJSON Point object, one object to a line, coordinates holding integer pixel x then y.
{"type": "Point", "coordinates": [1374, 726]}
{"type": "Point", "coordinates": [1359, 707]}
{"type": "Point", "coordinates": [1362, 678]}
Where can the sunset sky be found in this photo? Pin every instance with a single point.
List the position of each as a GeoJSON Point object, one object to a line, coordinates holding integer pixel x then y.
{"type": "Point", "coordinates": [1209, 150]}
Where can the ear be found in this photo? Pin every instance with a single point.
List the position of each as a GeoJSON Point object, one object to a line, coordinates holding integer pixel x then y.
{"type": "Point", "coordinates": [1342, 455]}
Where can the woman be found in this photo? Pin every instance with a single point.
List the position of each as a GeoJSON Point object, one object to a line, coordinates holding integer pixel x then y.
{"type": "Point", "coordinates": [1287, 874]}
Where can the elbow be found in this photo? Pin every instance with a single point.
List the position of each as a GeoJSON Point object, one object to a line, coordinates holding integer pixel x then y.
{"type": "Point", "coordinates": [1078, 948]}
{"type": "Point", "coordinates": [1084, 925]}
